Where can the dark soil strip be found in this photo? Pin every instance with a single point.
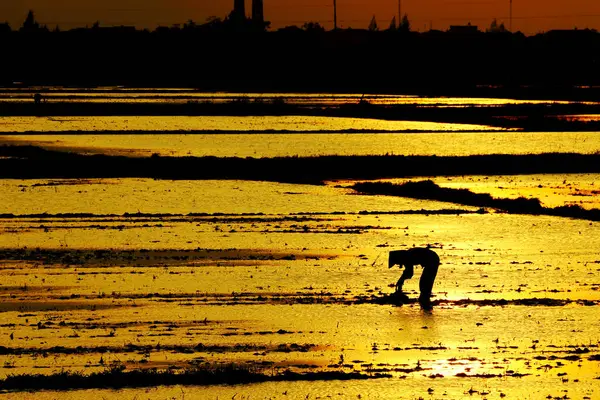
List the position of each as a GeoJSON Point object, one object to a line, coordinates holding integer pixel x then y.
{"type": "Point", "coordinates": [28, 162]}
{"type": "Point", "coordinates": [133, 348]}
{"type": "Point", "coordinates": [427, 190]}
{"type": "Point", "coordinates": [117, 377]}
{"type": "Point", "coordinates": [144, 256]}
{"type": "Point", "coordinates": [220, 217]}
{"type": "Point", "coordinates": [254, 298]}
{"type": "Point", "coordinates": [395, 299]}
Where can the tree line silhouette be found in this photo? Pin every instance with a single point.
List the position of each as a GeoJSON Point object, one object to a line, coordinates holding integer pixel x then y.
{"type": "Point", "coordinates": [222, 54]}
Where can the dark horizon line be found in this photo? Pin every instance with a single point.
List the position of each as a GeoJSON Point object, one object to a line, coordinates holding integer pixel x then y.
{"type": "Point", "coordinates": [232, 26]}
{"type": "Point", "coordinates": [504, 20]}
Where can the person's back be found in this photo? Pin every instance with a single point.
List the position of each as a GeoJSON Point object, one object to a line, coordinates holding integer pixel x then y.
{"type": "Point", "coordinates": [423, 256]}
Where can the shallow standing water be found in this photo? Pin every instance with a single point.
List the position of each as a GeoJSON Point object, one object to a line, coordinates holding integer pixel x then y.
{"type": "Point", "coordinates": [295, 272]}
{"type": "Point", "coordinates": [158, 274]}
{"type": "Point", "coordinates": [305, 144]}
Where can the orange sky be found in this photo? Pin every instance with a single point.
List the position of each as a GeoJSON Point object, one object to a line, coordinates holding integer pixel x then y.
{"type": "Point", "coordinates": [530, 16]}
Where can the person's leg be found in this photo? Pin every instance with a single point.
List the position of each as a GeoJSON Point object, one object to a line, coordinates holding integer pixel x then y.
{"type": "Point", "coordinates": [427, 280]}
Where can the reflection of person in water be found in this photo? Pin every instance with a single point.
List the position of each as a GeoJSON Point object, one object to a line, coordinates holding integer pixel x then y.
{"type": "Point", "coordinates": [425, 257]}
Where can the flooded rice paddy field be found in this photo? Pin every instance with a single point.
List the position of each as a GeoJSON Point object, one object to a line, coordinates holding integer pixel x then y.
{"type": "Point", "coordinates": [172, 274]}
{"type": "Point", "coordinates": [306, 144]}
{"type": "Point", "coordinates": [165, 124]}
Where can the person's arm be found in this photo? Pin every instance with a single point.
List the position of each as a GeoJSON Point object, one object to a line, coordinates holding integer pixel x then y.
{"type": "Point", "coordinates": [408, 273]}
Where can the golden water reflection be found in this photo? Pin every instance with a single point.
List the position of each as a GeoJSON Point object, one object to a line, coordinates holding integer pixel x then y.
{"type": "Point", "coordinates": [306, 144]}
{"type": "Point", "coordinates": [293, 123]}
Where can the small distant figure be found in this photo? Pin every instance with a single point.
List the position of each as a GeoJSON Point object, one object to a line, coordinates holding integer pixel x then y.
{"type": "Point", "coordinates": [37, 98]}
{"type": "Point", "coordinates": [425, 257]}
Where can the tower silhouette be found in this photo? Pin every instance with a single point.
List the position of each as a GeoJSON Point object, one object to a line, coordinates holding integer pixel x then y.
{"type": "Point", "coordinates": [239, 10]}
{"type": "Point", "coordinates": [335, 14]}
{"type": "Point", "coordinates": [258, 16]}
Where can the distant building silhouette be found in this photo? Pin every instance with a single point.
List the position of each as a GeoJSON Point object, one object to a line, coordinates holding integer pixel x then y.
{"type": "Point", "coordinates": [464, 29]}
{"type": "Point", "coordinates": [551, 62]}
{"type": "Point", "coordinates": [5, 28]}
{"type": "Point", "coordinates": [258, 15]}
{"type": "Point", "coordinates": [571, 34]}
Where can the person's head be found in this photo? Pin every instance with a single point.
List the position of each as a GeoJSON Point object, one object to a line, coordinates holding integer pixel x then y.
{"type": "Point", "coordinates": [396, 258]}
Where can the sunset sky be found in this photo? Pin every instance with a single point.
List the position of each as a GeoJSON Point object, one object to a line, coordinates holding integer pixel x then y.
{"type": "Point", "coordinates": [530, 16]}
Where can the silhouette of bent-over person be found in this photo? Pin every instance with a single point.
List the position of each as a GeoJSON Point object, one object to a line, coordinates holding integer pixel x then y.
{"type": "Point", "coordinates": [425, 257]}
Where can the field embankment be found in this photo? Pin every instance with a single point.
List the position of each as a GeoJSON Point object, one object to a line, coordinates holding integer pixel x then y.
{"type": "Point", "coordinates": [427, 190]}
{"type": "Point", "coordinates": [28, 162]}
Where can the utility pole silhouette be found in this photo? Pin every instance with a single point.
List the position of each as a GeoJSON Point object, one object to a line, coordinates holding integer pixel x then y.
{"type": "Point", "coordinates": [335, 15]}
{"type": "Point", "coordinates": [399, 11]}
{"type": "Point", "coordinates": [510, 23]}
